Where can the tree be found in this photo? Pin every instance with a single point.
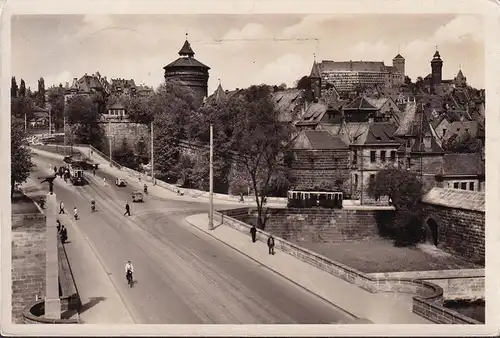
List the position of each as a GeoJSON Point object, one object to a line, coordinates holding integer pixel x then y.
{"type": "Point", "coordinates": [260, 141]}
{"type": "Point", "coordinates": [464, 144]}
{"type": "Point", "coordinates": [20, 155]}
{"type": "Point", "coordinates": [172, 106]}
{"type": "Point", "coordinates": [20, 106]}
{"type": "Point", "coordinates": [41, 93]}
{"type": "Point", "coordinates": [141, 151]}
{"type": "Point", "coordinates": [57, 104]}
{"type": "Point", "coordinates": [14, 90]}
{"type": "Point", "coordinates": [22, 89]}
{"type": "Point", "coordinates": [407, 80]}
{"type": "Point", "coordinates": [137, 107]}
{"type": "Point", "coordinates": [405, 191]}
{"type": "Point", "coordinates": [125, 156]}
{"type": "Point", "coordinates": [84, 117]}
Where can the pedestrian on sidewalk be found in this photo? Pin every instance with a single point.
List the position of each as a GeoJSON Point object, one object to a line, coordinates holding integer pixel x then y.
{"type": "Point", "coordinates": [241, 198]}
{"type": "Point", "coordinates": [104, 180]}
{"type": "Point", "coordinates": [61, 208]}
{"type": "Point", "coordinates": [93, 170]}
{"type": "Point", "coordinates": [75, 213]}
{"type": "Point", "coordinates": [58, 226]}
{"type": "Point", "coordinates": [63, 234]}
{"type": "Point", "coordinates": [253, 232]}
{"type": "Point", "coordinates": [127, 210]}
{"type": "Point", "coordinates": [270, 244]}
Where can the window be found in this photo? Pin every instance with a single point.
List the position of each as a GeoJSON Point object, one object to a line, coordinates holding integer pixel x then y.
{"type": "Point", "coordinates": [393, 156]}
{"type": "Point", "coordinates": [355, 157]}
{"type": "Point", "coordinates": [373, 155]}
{"type": "Point", "coordinates": [372, 178]}
{"type": "Point", "coordinates": [444, 131]}
{"type": "Point", "coordinates": [356, 181]}
{"type": "Point", "coordinates": [463, 186]}
{"type": "Point", "coordinates": [382, 155]}
{"type": "Point", "coordinates": [471, 186]}
{"type": "Point", "coordinates": [455, 185]}
{"type": "Point", "coordinates": [408, 143]}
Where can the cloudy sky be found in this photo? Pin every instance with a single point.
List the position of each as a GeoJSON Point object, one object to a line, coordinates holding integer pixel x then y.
{"type": "Point", "coordinates": [240, 49]}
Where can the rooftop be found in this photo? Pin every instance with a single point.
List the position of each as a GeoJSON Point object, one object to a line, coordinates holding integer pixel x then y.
{"type": "Point", "coordinates": [456, 198]}
{"type": "Point", "coordinates": [462, 165]}
{"type": "Point", "coordinates": [319, 140]}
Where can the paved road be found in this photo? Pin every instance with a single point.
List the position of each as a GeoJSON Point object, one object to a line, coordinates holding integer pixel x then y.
{"type": "Point", "coordinates": [183, 275]}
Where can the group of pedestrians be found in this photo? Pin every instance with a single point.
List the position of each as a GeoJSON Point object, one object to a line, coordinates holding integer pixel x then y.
{"type": "Point", "coordinates": [62, 211]}
{"type": "Point", "coordinates": [270, 239]}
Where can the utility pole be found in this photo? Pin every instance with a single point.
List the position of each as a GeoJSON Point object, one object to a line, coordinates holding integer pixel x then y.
{"type": "Point", "coordinates": [110, 143]}
{"type": "Point", "coordinates": [64, 130]}
{"type": "Point", "coordinates": [50, 121]}
{"type": "Point", "coordinates": [152, 153]}
{"type": "Point", "coordinates": [211, 215]}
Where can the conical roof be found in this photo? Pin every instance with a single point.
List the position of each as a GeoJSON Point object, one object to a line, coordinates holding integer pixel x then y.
{"type": "Point", "coordinates": [219, 94]}
{"type": "Point", "coordinates": [399, 56]}
{"type": "Point", "coordinates": [436, 55]}
{"type": "Point", "coordinates": [186, 49]}
{"type": "Point", "coordinates": [315, 71]}
{"type": "Point", "coordinates": [460, 74]}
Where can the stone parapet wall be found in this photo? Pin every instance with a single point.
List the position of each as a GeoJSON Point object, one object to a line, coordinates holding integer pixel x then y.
{"type": "Point", "coordinates": [28, 262]}
{"type": "Point", "coordinates": [428, 298]}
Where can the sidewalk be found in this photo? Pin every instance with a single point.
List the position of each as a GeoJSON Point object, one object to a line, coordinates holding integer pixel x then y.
{"type": "Point", "coordinates": [379, 308]}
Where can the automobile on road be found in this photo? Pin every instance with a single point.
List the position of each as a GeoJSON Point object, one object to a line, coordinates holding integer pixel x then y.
{"type": "Point", "coordinates": [137, 196]}
{"type": "Point", "coordinates": [121, 182]}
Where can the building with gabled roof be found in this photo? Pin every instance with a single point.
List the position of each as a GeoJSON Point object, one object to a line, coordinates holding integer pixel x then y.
{"type": "Point", "coordinates": [190, 71]}
{"type": "Point", "coordinates": [320, 159]}
{"type": "Point", "coordinates": [462, 171]}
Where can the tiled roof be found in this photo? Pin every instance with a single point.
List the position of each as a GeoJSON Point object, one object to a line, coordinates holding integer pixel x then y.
{"type": "Point", "coordinates": [462, 165]}
{"type": "Point", "coordinates": [314, 111]}
{"type": "Point", "coordinates": [319, 140]}
{"type": "Point", "coordinates": [288, 102]}
{"type": "Point", "coordinates": [117, 105]}
{"type": "Point", "coordinates": [378, 102]}
{"type": "Point", "coordinates": [354, 132]}
{"type": "Point", "coordinates": [462, 128]}
{"type": "Point", "coordinates": [381, 132]}
{"type": "Point", "coordinates": [360, 103]}
{"type": "Point", "coordinates": [408, 116]}
{"type": "Point", "coordinates": [186, 49]}
{"type": "Point", "coordinates": [186, 62]}
{"type": "Point", "coordinates": [456, 198]}
{"type": "Point", "coordinates": [357, 66]}
{"type": "Point", "coordinates": [219, 94]}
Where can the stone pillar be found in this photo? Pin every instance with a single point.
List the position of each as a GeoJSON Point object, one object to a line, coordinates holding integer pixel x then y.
{"type": "Point", "coordinates": [52, 301]}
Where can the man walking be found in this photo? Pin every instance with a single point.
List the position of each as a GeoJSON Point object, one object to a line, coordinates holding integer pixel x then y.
{"type": "Point", "coordinates": [127, 210]}
{"type": "Point", "coordinates": [61, 208]}
{"type": "Point", "coordinates": [270, 244]}
{"type": "Point", "coordinates": [75, 213]}
{"type": "Point", "coordinates": [104, 180]}
{"type": "Point", "coordinates": [64, 234]}
{"type": "Point", "coordinates": [253, 232]}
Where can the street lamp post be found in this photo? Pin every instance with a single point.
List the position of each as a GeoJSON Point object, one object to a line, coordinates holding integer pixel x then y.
{"type": "Point", "coordinates": [64, 130]}
{"type": "Point", "coordinates": [152, 154]}
{"type": "Point", "coordinates": [211, 216]}
{"type": "Point", "coordinates": [110, 143]}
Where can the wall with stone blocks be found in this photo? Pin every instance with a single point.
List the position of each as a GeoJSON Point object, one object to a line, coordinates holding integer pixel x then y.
{"type": "Point", "coordinates": [131, 131]}
{"type": "Point", "coordinates": [28, 262]}
{"type": "Point", "coordinates": [460, 232]}
{"type": "Point", "coordinates": [318, 225]}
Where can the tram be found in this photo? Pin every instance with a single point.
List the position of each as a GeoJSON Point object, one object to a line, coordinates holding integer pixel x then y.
{"type": "Point", "coordinates": [311, 199]}
{"type": "Point", "coordinates": [76, 174]}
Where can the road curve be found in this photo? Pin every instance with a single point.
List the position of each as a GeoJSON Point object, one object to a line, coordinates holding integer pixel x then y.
{"type": "Point", "coordinates": [183, 275]}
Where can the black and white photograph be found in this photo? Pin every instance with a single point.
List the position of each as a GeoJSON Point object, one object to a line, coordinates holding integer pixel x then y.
{"type": "Point", "coordinates": [248, 167]}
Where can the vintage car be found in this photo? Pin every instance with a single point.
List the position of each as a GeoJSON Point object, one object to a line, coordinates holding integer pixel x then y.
{"type": "Point", "coordinates": [121, 182]}
{"type": "Point", "coordinates": [137, 196]}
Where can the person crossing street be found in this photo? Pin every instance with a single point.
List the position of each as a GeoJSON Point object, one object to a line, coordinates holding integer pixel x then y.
{"type": "Point", "coordinates": [127, 210]}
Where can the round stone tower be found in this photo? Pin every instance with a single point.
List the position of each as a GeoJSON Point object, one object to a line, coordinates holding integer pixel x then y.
{"type": "Point", "coordinates": [190, 71]}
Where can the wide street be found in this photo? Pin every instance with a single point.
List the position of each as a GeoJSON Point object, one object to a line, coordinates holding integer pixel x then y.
{"type": "Point", "coordinates": [183, 275]}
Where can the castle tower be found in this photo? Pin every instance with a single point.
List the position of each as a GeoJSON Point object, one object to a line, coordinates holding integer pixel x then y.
{"type": "Point", "coordinates": [399, 63]}
{"type": "Point", "coordinates": [315, 78]}
{"type": "Point", "coordinates": [437, 71]}
{"type": "Point", "coordinates": [190, 71]}
{"type": "Point", "coordinates": [460, 80]}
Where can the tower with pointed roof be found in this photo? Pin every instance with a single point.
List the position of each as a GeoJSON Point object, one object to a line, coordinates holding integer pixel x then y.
{"type": "Point", "coordinates": [460, 80]}
{"type": "Point", "coordinates": [399, 63]}
{"type": "Point", "coordinates": [315, 78]}
{"type": "Point", "coordinates": [190, 71]}
{"type": "Point", "coordinates": [437, 70]}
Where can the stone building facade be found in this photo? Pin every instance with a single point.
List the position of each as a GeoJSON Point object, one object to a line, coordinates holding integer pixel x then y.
{"type": "Point", "coordinates": [456, 222]}
{"type": "Point", "coordinates": [319, 159]}
{"type": "Point", "coordinates": [28, 262]}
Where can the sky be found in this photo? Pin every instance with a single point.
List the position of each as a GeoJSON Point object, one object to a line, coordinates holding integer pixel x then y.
{"type": "Point", "coordinates": [241, 50]}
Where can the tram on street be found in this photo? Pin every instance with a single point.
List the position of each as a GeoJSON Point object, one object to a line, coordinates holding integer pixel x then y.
{"type": "Point", "coordinates": [76, 174]}
{"type": "Point", "coordinates": [311, 199]}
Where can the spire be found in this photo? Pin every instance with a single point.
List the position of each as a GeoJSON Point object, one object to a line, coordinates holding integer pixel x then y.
{"type": "Point", "coordinates": [186, 49]}
{"type": "Point", "coordinates": [315, 71]}
{"type": "Point", "coordinates": [219, 94]}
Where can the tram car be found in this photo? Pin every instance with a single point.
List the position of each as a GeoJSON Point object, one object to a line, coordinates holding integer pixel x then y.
{"type": "Point", "coordinates": [76, 174]}
{"type": "Point", "coordinates": [314, 199]}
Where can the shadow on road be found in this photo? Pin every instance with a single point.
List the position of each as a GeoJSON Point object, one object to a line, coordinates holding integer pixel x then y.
{"type": "Point", "coordinates": [91, 303]}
